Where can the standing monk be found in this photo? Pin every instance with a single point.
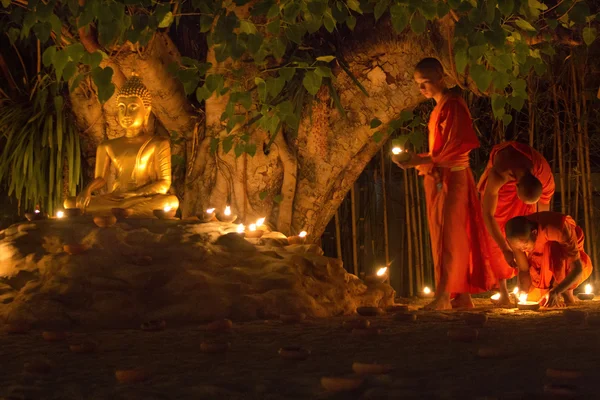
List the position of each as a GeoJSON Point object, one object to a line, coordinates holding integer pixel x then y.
{"type": "Point", "coordinates": [516, 178]}
{"type": "Point", "coordinates": [548, 246]}
{"type": "Point", "coordinates": [453, 210]}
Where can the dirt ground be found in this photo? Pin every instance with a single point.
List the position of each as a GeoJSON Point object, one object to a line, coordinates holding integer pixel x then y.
{"type": "Point", "coordinates": [428, 365]}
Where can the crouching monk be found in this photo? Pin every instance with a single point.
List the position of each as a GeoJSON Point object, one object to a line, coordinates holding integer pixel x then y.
{"type": "Point", "coordinates": [548, 248]}
{"type": "Point", "coordinates": [453, 210]}
{"type": "Point", "coordinates": [516, 181]}
{"type": "Point", "coordinates": [142, 162]}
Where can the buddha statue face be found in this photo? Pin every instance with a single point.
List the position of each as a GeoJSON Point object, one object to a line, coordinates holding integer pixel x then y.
{"type": "Point", "coordinates": [134, 105]}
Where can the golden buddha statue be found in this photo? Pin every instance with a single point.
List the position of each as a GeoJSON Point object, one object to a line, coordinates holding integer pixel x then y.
{"type": "Point", "coordinates": [142, 162]}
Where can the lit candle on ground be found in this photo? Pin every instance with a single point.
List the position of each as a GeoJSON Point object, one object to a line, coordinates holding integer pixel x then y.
{"type": "Point", "coordinates": [241, 228]}
{"type": "Point", "coordinates": [523, 304]}
{"type": "Point", "coordinates": [252, 227]}
{"type": "Point", "coordinates": [167, 212]}
{"type": "Point", "coordinates": [210, 210]}
{"type": "Point", "coordinates": [381, 271]}
{"type": "Point", "coordinates": [260, 222]}
{"type": "Point", "coordinates": [226, 215]}
{"type": "Point", "coordinates": [426, 293]}
{"type": "Point", "coordinates": [302, 234]}
{"type": "Point", "coordinates": [379, 277]}
{"type": "Point", "coordinates": [60, 214]}
{"type": "Point", "coordinates": [297, 239]}
{"type": "Point", "coordinates": [227, 211]}
{"type": "Point", "coordinates": [37, 211]}
{"type": "Point", "coordinates": [208, 215]}
{"type": "Point", "coordinates": [396, 150]}
{"type": "Point", "coordinates": [496, 297]}
{"type": "Point", "coordinates": [588, 293]}
{"type": "Point", "coordinates": [167, 209]}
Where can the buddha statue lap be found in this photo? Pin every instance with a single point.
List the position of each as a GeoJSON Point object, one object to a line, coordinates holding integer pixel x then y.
{"type": "Point", "coordinates": [142, 162]}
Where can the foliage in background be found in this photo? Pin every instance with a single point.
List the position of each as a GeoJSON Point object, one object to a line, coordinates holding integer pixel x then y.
{"type": "Point", "coordinates": [39, 143]}
{"type": "Point", "coordinates": [497, 43]}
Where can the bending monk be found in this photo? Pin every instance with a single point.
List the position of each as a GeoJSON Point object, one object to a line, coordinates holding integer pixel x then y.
{"type": "Point", "coordinates": [142, 161]}
{"type": "Point", "coordinates": [516, 179]}
{"type": "Point", "coordinates": [548, 246]}
{"type": "Point", "coordinates": [453, 210]}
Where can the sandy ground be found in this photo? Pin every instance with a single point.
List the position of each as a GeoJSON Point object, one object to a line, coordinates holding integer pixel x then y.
{"type": "Point", "coordinates": [428, 365]}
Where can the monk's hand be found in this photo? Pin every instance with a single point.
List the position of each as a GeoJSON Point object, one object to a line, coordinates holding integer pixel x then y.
{"type": "Point", "coordinates": [509, 256]}
{"type": "Point", "coordinates": [552, 300]}
{"type": "Point", "coordinates": [411, 162]}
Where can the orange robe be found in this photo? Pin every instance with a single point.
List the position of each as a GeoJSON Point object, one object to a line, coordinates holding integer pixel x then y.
{"type": "Point", "coordinates": [509, 204]}
{"type": "Point", "coordinates": [559, 242]}
{"type": "Point", "coordinates": [453, 210]}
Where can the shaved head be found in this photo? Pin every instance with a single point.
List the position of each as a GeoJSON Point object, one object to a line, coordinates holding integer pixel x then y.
{"type": "Point", "coordinates": [431, 68]}
{"type": "Point", "coordinates": [519, 228]}
{"type": "Point", "coordinates": [529, 188]}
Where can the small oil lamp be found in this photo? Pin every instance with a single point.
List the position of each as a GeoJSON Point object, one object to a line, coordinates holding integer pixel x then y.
{"type": "Point", "coordinates": [495, 297]}
{"type": "Point", "coordinates": [226, 215]}
{"type": "Point", "coordinates": [588, 294]}
{"type": "Point", "coordinates": [254, 233]}
{"type": "Point", "coordinates": [240, 228]}
{"type": "Point", "coordinates": [167, 212]}
{"type": "Point", "coordinates": [380, 277]}
{"type": "Point", "coordinates": [426, 293]}
{"type": "Point", "coordinates": [36, 215]}
{"type": "Point", "coordinates": [208, 215]}
{"type": "Point", "coordinates": [60, 214]}
{"type": "Point", "coordinates": [396, 150]}
{"type": "Point", "coordinates": [299, 239]}
{"type": "Point", "coordinates": [525, 305]}
{"type": "Point", "coordinates": [260, 222]}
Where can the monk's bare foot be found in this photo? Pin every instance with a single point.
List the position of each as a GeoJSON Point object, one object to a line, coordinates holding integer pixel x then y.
{"type": "Point", "coordinates": [569, 298]}
{"type": "Point", "coordinates": [505, 300]}
{"type": "Point", "coordinates": [463, 300]}
{"type": "Point", "coordinates": [441, 303]}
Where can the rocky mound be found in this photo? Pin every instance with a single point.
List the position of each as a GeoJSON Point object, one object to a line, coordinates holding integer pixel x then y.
{"type": "Point", "coordinates": [180, 271]}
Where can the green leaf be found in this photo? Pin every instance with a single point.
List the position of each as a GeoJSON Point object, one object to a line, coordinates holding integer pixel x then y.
{"type": "Point", "coordinates": [501, 80]}
{"type": "Point", "coordinates": [214, 82]}
{"type": "Point", "coordinates": [273, 26]}
{"type": "Point", "coordinates": [324, 72]}
{"type": "Point", "coordinates": [354, 5]}
{"type": "Point", "coordinates": [428, 9]}
{"type": "Point", "coordinates": [351, 22]}
{"type": "Point", "coordinates": [589, 35]}
{"type": "Point", "coordinates": [406, 115]}
{"type": "Point", "coordinates": [102, 77]}
{"type": "Point", "coordinates": [294, 33]}
{"type": "Point", "coordinates": [375, 122]}
{"type": "Point", "coordinates": [239, 149]}
{"type": "Point", "coordinates": [206, 22]}
{"type": "Point", "coordinates": [214, 145]}
{"type": "Point", "coordinates": [517, 101]}
{"type": "Point", "coordinates": [378, 136]}
{"type": "Point", "coordinates": [312, 82]}
{"type": "Point", "coordinates": [328, 22]}
{"type": "Point", "coordinates": [250, 149]}
{"type": "Point", "coordinates": [460, 55]}
{"type": "Point", "coordinates": [579, 12]}
{"type": "Point", "coordinates": [380, 8]}
{"type": "Point", "coordinates": [48, 56]}
{"type": "Point", "coordinates": [519, 87]}
{"type": "Point", "coordinates": [481, 76]}
{"type": "Point", "coordinates": [262, 195]}
{"type": "Point", "coordinates": [227, 144]}
{"type": "Point", "coordinates": [506, 6]}
{"type": "Point", "coordinates": [278, 47]}
{"type": "Point", "coordinates": [42, 31]}
{"type": "Point", "coordinates": [76, 82]}
{"type": "Point", "coordinates": [69, 70]}
{"type": "Point", "coordinates": [167, 20]}
{"type": "Point", "coordinates": [278, 199]}
{"type": "Point", "coordinates": [287, 73]}
{"type": "Point", "coordinates": [442, 9]}
{"type": "Point", "coordinates": [521, 23]}
{"type": "Point", "coordinates": [502, 62]}
{"type": "Point", "coordinates": [326, 58]}
{"type": "Point", "coordinates": [6, 3]}
{"type": "Point", "coordinates": [552, 23]}
{"type": "Point", "coordinates": [399, 14]}
{"type": "Point", "coordinates": [76, 52]}
{"type": "Point", "coordinates": [418, 23]}
{"type": "Point", "coordinates": [59, 60]}
{"type": "Point", "coordinates": [506, 119]}
{"type": "Point", "coordinates": [275, 86]}
{"type": "Point", "coordinates": [498, 103]}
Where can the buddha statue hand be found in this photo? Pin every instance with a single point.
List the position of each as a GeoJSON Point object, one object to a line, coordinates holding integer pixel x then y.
{"type": "Point", "coordinates": [83, 199]}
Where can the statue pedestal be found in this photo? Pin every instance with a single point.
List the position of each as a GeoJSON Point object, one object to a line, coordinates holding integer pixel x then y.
{"type": "Point", "coordinates": [180, 271]}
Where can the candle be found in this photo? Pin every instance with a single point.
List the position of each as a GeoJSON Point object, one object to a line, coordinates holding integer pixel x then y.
{"type": "Point", "coordinates": [588, 293]}
{"type": "Point", "coordinates": [496, 297]}
{"type": "Point", "coordinates": [252, 227]}
{"type": "Point", "coordinates": [227, 210]}
{"type": "Point", "coordinates": [396, 150]}
{"type": "Point", "coordinates": [167, 209]}
{"type": "Point", "coordinates": [381, 271]}
{"type": "Point", "coordinates": [60, 214]}
{"type": "Point", "coordinates": [241, 228]}
{"type": "Point", "coordinates": [523, 304]}
{"type": "Point", "coordinates": [210, 210]}
{"type": "Point", "coordinates": [379, 277]}
{"type": "Point", "coordinates": [302, 234]}
{"type": "Point", "coordinates": [426, 292]}
{"type": "Point", "coordinates": [260, 222]}
{"type": "Point", "coordinates": [37, 211]}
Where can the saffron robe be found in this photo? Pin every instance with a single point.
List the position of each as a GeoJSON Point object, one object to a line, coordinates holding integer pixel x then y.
{"type": "Point", "coordinates": [453, 209]}
{"type": "Point", "coordinates": [559, 242]}
{"type": "Point", "coordinates": [509, 204]}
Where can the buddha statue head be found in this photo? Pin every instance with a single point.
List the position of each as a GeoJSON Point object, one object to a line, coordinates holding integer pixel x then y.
{"type": "Point", "coordinates": [134, 104]}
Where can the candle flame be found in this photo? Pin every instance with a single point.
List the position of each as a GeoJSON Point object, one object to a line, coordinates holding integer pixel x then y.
{"type": "Point", "coordinates": [302, 234]}
{"type": "Point", "coordinates": [588, 289]}
{"type": "Point", "coordinates": [60, 214]}
{"type": "Point", "coordinates": [522, 297]}
{"type": "Point", "coordinates": [37, 211]}
{"type": "Point", "coordinates": [210, 210]}
{"type": "Point", "coordinates": [516, 290]}
{"type": "Point", "coordinates": [241, 228]}
{"type": "Point", "coordinates": [396, 150]}
{"type": "Point", "coordinates": [260, 221]}
{"type": "Point", "coordinates": [381, 271]}
{"type": "Point", "coordinates": [496, 296]}
{"type": "Point", "coordinates": [227, 210]}
{"type": "Point", "coordinates": [426, 290]}
{"type": "Point", "coordinates": [252, 227]}
{"type": "Point", "coordinates": [167, 209]}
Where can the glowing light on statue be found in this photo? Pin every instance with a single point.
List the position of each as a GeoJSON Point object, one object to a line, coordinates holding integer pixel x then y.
{"type": "Point", "coordinates": [210, 210]}
{"type": "Point", "coordinates": [241, 228]}
{"type": "Point", "coordinates": [381, 271]}
{"type": "Point", "coordinates": [227, 211]}
{"type": "Point", "coordinates": [260, 222]}
{"type": "Point", "coordinates": [396, 150]}
{"type": "Point", "coordinates": [60, 214]}
{"type": "Point", "coordinates": [302, 234]}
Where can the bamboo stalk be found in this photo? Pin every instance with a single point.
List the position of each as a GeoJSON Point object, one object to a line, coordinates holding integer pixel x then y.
{"type": "Point", "coordinates": [414, 232]}
{"type": "Point", "coordinates": [354, 234]}
{"type": "Point", "coordinates": [338, 236]}
{"type": "Point", "coordinates": [420, 228]}
{"type": "Point", "coordinates": [530, 111]}
{"type": "Point", "coordinates": [385, 214]}
{"type": "Point", "coordinates": [559, 147]}
{"type": "Point", "coordinates": [408, 235]}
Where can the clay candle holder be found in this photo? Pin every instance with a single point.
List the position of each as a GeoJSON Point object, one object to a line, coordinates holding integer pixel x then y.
{"type": "Point", "coordinates": [587, 295]}
{"type": "Point", "coordinates": [380, 277]}
{"type": "Point", "coordinates": [226, 215]}
{"type": "Point", "coordinates": [426, 293]}
{"type": "Point", "coordinates": [208, 215]}
{"type": "Point", "coordinates": [122, 213]}
{"type": "Point", "coordinates": [253, 233]}
{"type": "Point", "coordinates": [37, 215]}
{"type": "Point", "coordinates": [528, 306]}
{"type": "Point", "coordinates": [105, 221]}
{"type": "Point", "coordinates": [300, 239]}
{"type": "Point", "coordinates": [165, 213]}
{"type": "Point", "coordinates": [73, 212]}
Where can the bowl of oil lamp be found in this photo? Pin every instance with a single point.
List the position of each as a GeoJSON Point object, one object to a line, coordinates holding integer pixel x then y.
{"type": "Point", "coordinates": [588, 294]}
{"type": "Point", "coordinates": [37, 215]}
{"type": "Point", "coordinates": [226, 215]}
{"type": "Point", "coordinates": [525, 305]}
{"type": "Point", "coordinates": [299, 239]}
{"type": "Point", "coordinates": [105, 221]}
{"type": "Point", "coordinates": [72, 212]}
{"type": "Point", "coordinates": [166, 213]}
{"type": "Point", "coordinates": [379, 277]}
{"type": "Point", "coordinates": [122, 213]}
{"type": "Point", "coordinates": [426, 293]}
{"type": "Point", "coordinates": [253, 232]}
{"type": "Point", "coordinates": [208, 215]}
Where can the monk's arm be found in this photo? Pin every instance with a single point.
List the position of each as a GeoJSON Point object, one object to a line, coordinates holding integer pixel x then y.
{"type": "Point", "coordinates": [523, 266]}
{"type": "Point", "coordinates": [571, 279]}
{"type": "Point", "coordinates": [162, 161]}
{"type": "Point", "coordinates": [543, 207]}
{"type": "Point", "coordinates": [567, 238]}
{"type": "Point", "coordinates": [490, 203]}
